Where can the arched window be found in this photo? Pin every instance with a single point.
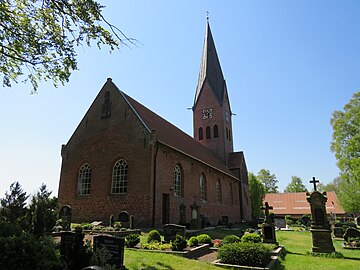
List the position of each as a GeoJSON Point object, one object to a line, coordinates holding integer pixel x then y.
{"type": "Point", "coordinates": [119, 177]}
{"type": "Point", "coordinates": [177, 181]}
{"type": "Point", "coordinates": [216, 131]}
{"type": "Point", "coordinates": [84, 180]}
{"type": "Point", "coordinates": [202, 188]}
{"type": "Point", "coordinates": [231, 198]}
{"type": "Point", "coordinates": [218, 191]}
{"type": "Point", "coordinates": [208, 132]}
{"type": "Point", "coordinates": [200, 133]}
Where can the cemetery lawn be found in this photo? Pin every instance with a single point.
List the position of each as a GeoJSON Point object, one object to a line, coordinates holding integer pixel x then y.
{"type": "Point", "coordinates": [135, 259]}
{"type": "Point", "coordinates": [297, 245]}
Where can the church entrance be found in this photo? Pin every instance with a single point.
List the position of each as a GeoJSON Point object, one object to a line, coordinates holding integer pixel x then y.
{"type": "Point", "coordinates": [165, 208]}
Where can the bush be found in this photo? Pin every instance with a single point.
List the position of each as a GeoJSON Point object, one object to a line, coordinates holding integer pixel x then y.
{"type": "Point", "coordinates": [232, 238]}
{"type": "Point", "coordinates": [155, 246]}
{"type": "Point", "coordinates": [204, 239]}
{"type": "Point", "coordinates": [249, 254]}
{"type": "Point", "coordinates": [251, 237]}
{"type": "Point", "coordinates": [179, 243]}
{"type": "Point", "coordinates": [132, 240]}
{"type": "Point", "coordinates": [193, 241]}
{"type": "Point", "coordinates": [154, 236]}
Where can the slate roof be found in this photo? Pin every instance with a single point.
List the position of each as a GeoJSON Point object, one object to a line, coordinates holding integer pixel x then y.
{"type": "Point", "coordinates": [296, 203]}
{"type": "Point", "coordinates": [173, 137]}
{"type": "Point", "coordinates": [210, 68]}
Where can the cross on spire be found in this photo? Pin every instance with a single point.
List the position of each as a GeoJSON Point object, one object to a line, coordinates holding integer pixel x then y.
{"type": "Point", "coordinates": [267, 207]}
{"type": "Point", "coordinates": [314, 181]}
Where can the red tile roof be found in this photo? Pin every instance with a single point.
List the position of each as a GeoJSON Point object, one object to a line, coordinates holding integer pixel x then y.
{"type": "Point", "coordinates": [296, 203]}
{"type": "Point", "coordinates": [173, 137]}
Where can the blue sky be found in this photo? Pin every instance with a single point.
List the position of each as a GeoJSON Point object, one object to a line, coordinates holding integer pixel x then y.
{"type": "Point", "coordinates": [288, 66]}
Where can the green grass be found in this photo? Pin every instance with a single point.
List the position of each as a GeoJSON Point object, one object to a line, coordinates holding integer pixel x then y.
{"type": "Point", "coordinates": [157, 261]}
{"type": "Point", "coordinates": [298, 244]}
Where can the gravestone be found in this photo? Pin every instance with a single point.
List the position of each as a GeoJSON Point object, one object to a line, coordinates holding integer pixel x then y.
{"type": "Point", "coordinates": [320, 226]}
{"type": "Point", "coordinates": [114, 246]}
{"type": "Point", "coordinates": [124, 218]}
{"type": "Point", "coordinates": [357, 221]}
{"type": "Point", "coordinates": [182, 211]}
{"type": "Point", "coordinates": [351, 233]}
{"type": "Point", "coordinates": [112, 220]}
{"type": "Point", "coordinates": [280, 223]}
{"type": "Point", "coordinates": [268, 227]}
{"type": "Point", "coordinates": [65, 214]}
{"type": "Point", "coordinates": [195, 223]}
{"type": "Point", "coordinates": [171, 230]}
{"type": "Point", "coordinates": [225, 220]}
{"type": "Point", "coordinates": [66, 243]}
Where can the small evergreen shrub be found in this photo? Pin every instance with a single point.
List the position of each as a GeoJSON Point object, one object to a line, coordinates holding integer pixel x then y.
{"type": "Point", "coordinates": [232, 238]}
{"type": "Point", "coordinates": [193, 241]}
{"type": "Point", "coordinates": [204, 239]}
{"type": "Point", "coordinates": [251, 237]}
{"type": "Point", "coordinates": [179, 243]}
{"type": "Point", "coordinates": [249, 254]}
{"type": "Point", "coordinates": [154, 236]}
{"type": "Point", "coordinates": [132, 240]}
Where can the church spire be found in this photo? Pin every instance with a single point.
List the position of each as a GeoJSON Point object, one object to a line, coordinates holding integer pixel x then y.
{"type": "Point", "coordinates": [210, 68]}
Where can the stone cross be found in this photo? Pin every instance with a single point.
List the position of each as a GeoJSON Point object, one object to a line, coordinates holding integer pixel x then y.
{"type": "Point", "coordinates": [266, 208]}
{"type": "Point", "coordinates": [314, 182]}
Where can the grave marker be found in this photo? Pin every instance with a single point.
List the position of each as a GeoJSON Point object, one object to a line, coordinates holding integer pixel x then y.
{"type": "Point", "coordinates": [115, 247]}
{"type": "Point", "coordinates": [171, 230]}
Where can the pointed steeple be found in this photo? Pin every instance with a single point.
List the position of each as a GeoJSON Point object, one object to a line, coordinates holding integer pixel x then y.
{"type": "Point", "coordinates": [210, 68]}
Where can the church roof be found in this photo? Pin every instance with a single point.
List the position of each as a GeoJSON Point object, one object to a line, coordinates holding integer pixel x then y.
{"type": "Point", "coordinates": [210, 69]}
{"type": "Point", "coordinates": [296, 203]}
{"type": "Point", "coordinates": [173, 137]}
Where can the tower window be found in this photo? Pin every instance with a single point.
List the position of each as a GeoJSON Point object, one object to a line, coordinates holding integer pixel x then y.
{"type": "Point", "coordinates": [216, 131]}
{"type": "Point", "coordinates": [208, 132]}
{"type": "Point", "coordinates": [200, 133]}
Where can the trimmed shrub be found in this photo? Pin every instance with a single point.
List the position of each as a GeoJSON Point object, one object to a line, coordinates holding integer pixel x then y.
{"type": "Point", "coordinates": [232, 238]}
{"type": "Point", "coordinates": [204, 239]}
{"type": "Point", "coordinates": [155, 246]}
{"type": "Point", "coordinates": [154, 236]}
{"type": "Point", "coordinates": [179, 243]}
{"type": "Point", "coordinates": [193, 241]}
{"type": "Point", "coordinates": [251, 237]}
{"type": "Point", "coordinates": [249, 254]}
{"type": "Point", "coordinates": [132, 240]}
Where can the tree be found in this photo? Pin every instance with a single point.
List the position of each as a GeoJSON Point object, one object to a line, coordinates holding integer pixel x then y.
{"type": "Point", "coordinates": [38, 38]}
{"type": "Point", "coordinates": [257, 194]}
{"type": "Point", "coordinates": [348, 194]}
{"type": "Point", "coordinates": [13, 207]}
{"type": "Point", "coordinates": [296, 185]}
{"type": "Point", "coordinates": [268, 180]}
{"type": "Point", "coordinates": [43, 212]}
{"type": "Point", "coordinates": [332, 186]}
{"type": "Point", "coordinates": [346, 139]}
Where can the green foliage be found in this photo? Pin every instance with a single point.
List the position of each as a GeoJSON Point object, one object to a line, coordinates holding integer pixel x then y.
{"type": "Point", "coordinates": [204, 239]}
{"type": "Point", "coordinates": [193, 241]}
{"type": "Point", "coordinates": [250, 254]}
{"type": "Point", "coordinates": [296, 185]}
{"type": "Point", "coordinates": [251, 237]}
{"type": "Point", "coordinates": [26, 252]}
{"type": "Point", "coordinates": [100, 258]}
{"type": "Point", "coordinates": [348, 194]}
{"type": "Point", "coordinates": [346, 141]}
{"type": "Point", "coordinates": [38, 38]}
{"type": "Point", "coordinates": [268, 180]}
{"type": "Point", "coordinates": [257, 194]}
{"type": "Point", "coordinates": [13, 207]}
{"type": "Point", "coordinates": [232, 238]}
{"type": "Point", "coordinates": [132, 240]}
{"type": "Point", "coordinates": [154, 236]}
{"type": "Point", "coordinates": [43, 211]}
{"type": "Point", "coordinates": [155, 246]}
{"type": "Point", "coordinates": [179, 243]}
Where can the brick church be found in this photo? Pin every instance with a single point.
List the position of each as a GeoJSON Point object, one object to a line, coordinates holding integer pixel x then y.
{"type": "Point", "coordinates": [124, 157]}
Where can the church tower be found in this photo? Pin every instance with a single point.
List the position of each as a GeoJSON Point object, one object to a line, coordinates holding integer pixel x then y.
{"type": "Point", "coordinates": [211, 109]}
